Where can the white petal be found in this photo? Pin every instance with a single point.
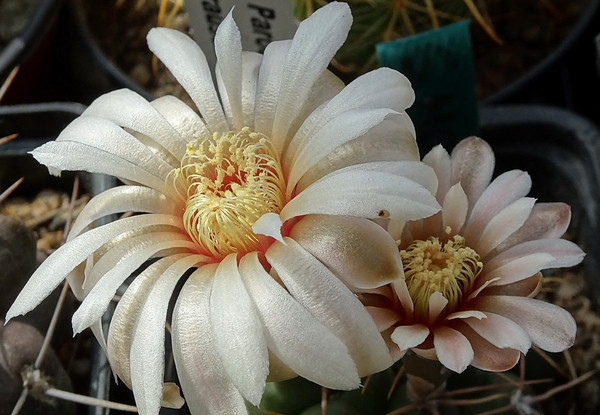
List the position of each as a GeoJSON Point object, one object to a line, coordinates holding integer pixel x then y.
{"type": "Point", "coordinates": [269, 83]}
{"type": "Point", "coordinates": [122, 199]}
{"type": "Point", "coordinates": [566, 253]}
{"type": "Point", "coordinates": [126, 314]}
{"type": "Point", "coordinates": [472, 166]}
{"type": "Point", "coordinates": [68, 155]}
{"type": "Point", "coordinates": [100, 294]}
{"type": "Point", "coordinates": [504, 190]}
{"type": "Point", "coordinates": [466, 314]}
{"type": "Point", "coordinates": [437, 302]}
{"type": "Point", "coordinates": [206, 387]}
{"type": "Point", "coordinates": [181, 117]}
{"type": "Point", "coordinates": [332, 303]}
{"type": "Point", "coordinates": [501, 332]}
{"type": "Point", "coordinates": [269, 224]}
{"type": "Point", "coordinates": [54, 269]}
{"type": "Point", "coordinates": [294, 335]}
{"type": "Point", "coordinates": [407, 337]}
{"type": "Point", "coordinates": [338, 131]}
{"type": "Point", "coordinates": [452, 348]}
{"type": "Point", "coordinates": [504, 224]}
{"type": "Point", "coordinates": [454, 209]}
{"type": "Point", "coordinates": [228, 48]}
{"type": "Point", "coordinates": [128, 109]}
{"type": "Point", "coordinates": [148, 342]}
{"type": "Point", "coordinates": [316, 41]}
{"type": "Point", "coordinates": [518, 269]}
{"type": "Point", "coordinates": [251, 63]}
{"type": "Point", "coordinates": [237, 332]}
{"type": "Point", "coordinates": [188, 64]}
{"type": "Point", "coordinates": [439, 159]}
{"type": "Point", "coordinates": [369, 194]}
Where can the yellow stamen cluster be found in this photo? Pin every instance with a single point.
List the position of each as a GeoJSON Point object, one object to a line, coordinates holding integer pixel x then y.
{"type": "Point", "coordinates": [430, 266]}
{"type": "Point", "coordinates": [228, 181]}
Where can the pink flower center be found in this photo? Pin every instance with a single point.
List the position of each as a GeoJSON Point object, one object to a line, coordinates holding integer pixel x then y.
{"type": "Point", "coordinates": [228, 181]}
{"type": "Point", "coordinates": [430, 266]}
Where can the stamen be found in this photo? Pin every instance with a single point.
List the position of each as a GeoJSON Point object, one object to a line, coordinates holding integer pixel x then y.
{"type": "Point", "coordinates": [449, 269]}
{"type": "Point", "coordinates": [228, 181]}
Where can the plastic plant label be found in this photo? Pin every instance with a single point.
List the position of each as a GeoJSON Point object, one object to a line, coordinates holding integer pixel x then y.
{"type": "Point", "coordinates": [260, 22]}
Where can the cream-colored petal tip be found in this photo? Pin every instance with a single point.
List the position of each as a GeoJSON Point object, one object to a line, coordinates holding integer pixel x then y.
{"type": "Point", "coordinates": [172, 396]}
{"type": "Point", "coordinates": [269, 224]}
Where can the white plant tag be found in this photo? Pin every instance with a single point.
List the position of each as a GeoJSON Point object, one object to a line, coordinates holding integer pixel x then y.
{"type": "Point", "coordinates": [260, 22]}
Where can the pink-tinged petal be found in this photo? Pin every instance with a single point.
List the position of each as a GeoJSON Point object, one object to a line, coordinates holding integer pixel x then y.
{"type": "Point", "coordinates": [439, 159]}
{"type": "Point", "coordinates": [228, 49]}
{"type": "Point", "coordinates": [546, 221]}
{"type": "Point", "coordinates": [395, 228]}
{"type": "Point", "coordinates": [237, 331]}
{"type": "Point", "coordinates": [384, 318]}
{"type": "Point", "coordinates": [126, 314]}
{"type": "Point", "coordinates": [358, 251]}
{"type": "Point", "coordinates": [368, 194]}
{"type": "Point", "coordinates": [101, 293]}
{"type": "Point", "coordinates": [121, 199]}
{"type": "Point", "coordinates": [452, 348]}
{"type": "Point", "coordinates": [426, 353]}
{"type": "Point", "coordinates": [401, 290]}
{"type": "Point", "coordinates": [473, 177]}
{"type": "Point", "coordinates": [294, 335]}
{"type": "Point", "coordinates": [314, 286]}
{"type": "Point", "coordinates": [54, 269]}
{"type": "Point", "coordinates": [504, 190]}
{"type": "Point", "coordinates": [487, 356]}
{"type": "Point", "coordinates": [340, 130]}
{"type": "Point", "coordinates": [181, 117]}
{"type": "Point", "coordinates": [147, 357]}
{"type": "Point", "coordinates": [505, 223]}
{"type": "Point", "coordinates": [268, 88]}
{"type": "Point", "coordinates": [528, 287]}
{"type": "Point", "coordinates": [482, 287]}
{"type": "Point", "coordinates": [501, 332]}
{"type": "Point", "coordinates": [550, 327]}
{"type": "Point", "coordinates": [183, 57]}
{"type": "Point", "coordinates": [73, 156]}
{"type": "Point", "coordinates": [316, 41]}
{"type": "Point", "coordinates": [466, 314]}
{"type": "Point", "coordinates": [437, 302]}
{"type": "Point", "coordinates": [454, 209]}
{"type": "Point", "coordinates": [566, 253]}
{"type": "Point", "coordinates": [407, 337]}
{"type": "Point", "coordinates": [518, 269]}
{"type": "Point", "coordinates": [206, 387]}
{"type": "Point", "coordinates": [128, 109]}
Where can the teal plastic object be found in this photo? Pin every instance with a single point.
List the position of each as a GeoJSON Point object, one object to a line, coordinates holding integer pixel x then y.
{"type": "Point", "coordinates": [439, 64]}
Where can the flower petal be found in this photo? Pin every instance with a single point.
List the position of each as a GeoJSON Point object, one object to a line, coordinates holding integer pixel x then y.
{"type": "Point", "coordinates": [147, 357]}
{"type": "Point", "coordinates": [332, 303]}
{"type": "Point", "coordinates": [452, 348]}
{"type": "Point", "coordinates": [439, 159]}
{"type": "Point", "coordinates": [316, 41]}
{"type": "Point", "coordinates": [566, 253]}
{"type": "Point", "coordinates": [473, 177]}
{"type": "Point", "coordinates": [269, 224]}
{"type": "Point", "coordinates": [294, 335]}
{"type": "Point", "coordinates": [122, 199]}
{"type": "Point", "coordinates": [101, 293]}
{"type": "Point", "coordinates": [550, 327]}
{"type": "Point", "coordinates": [128, 109]}
{"type": "Point", "coordinates": [437, 303]}
{"type": "Point", "coordinates": [368, 194]}
{"type": "Point", "coordinates": [54, 269]}
{"type": "Point", "coordinates": [237, 331]}
{"type": "Point", "coordinates": [181, 117]}
{"type": "Point", "coordinates": [504, 224]}
{"type": "Point", "coordinates": [407, 337]}
{"type": "Point", "coordinates": [384, 317]}
{"type": "Point", "coordinates": [126, 314]}
{"type": "Point", "coordinates": [504, 190]}
{"type": "Point", "coordinates": [206, 387]}
{"type": "Point", "coordinates": [454, 209]}
{"type": "Point", "coordinates": [501, 332]}
{"type": "Point", "coordinates": [59, 155]}
{"type": "Point", "coordinates": [546, 221]}
{"type": "Point", "coordinates": [358, 251]}
{"type": "Point", "coordinates": [228, 48]}
{"type": "Point", "coordinates": [188, 64]}
{"type": "Point", "coordinates": [518, 269]}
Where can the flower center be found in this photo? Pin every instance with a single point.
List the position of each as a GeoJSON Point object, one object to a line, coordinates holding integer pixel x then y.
{"type": "Point", "coordinates": [228, 181]}
{"type": "Point", "coordinates": [430, 266]}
